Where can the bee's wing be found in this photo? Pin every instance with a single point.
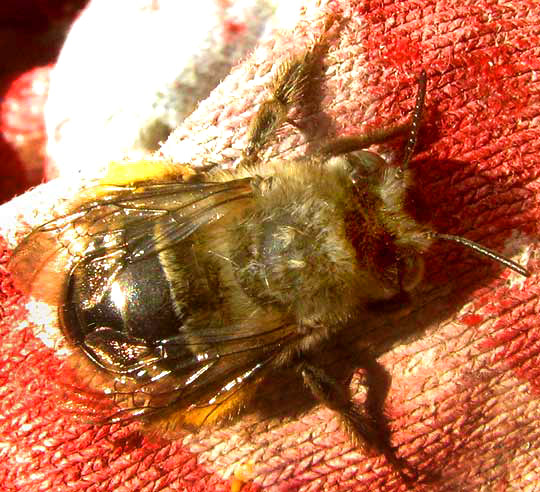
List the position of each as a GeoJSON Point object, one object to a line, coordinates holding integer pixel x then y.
{"type": "Point", "coordinates": [118, 220]}
{"type": "Point", "coordinates": [207, 381]}
{"type": "Point", "coordinates": [203, 377]}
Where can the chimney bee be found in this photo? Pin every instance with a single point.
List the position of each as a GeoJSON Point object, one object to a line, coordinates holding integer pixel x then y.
{"type": "Point", "coordinates": [181, 291]}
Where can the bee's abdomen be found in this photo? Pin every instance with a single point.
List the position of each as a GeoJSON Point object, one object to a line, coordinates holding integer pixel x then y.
{"type": "Point", "coordinates": [132, 309]}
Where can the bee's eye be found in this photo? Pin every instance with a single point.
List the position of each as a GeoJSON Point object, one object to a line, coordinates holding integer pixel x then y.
{"type": "Point", "coordinates": [412, 271]}
{"type": "Point", "coordinates": [365, 164]}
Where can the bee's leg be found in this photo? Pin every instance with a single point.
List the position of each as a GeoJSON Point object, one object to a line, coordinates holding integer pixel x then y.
{"type": "Point", "coordinates": [359, 424]}
{"type": "Point", "coordinates": [344, 145]}
{"type": "Point", "coordinates": [288, 87]}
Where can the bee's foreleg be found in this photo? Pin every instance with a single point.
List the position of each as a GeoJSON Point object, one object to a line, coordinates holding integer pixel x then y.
{"type": "Point", "coordinates": [415, 120]}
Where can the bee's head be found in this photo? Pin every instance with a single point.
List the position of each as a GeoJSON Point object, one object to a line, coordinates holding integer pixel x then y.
{"type": "Point", "coordinates": [388, 243]}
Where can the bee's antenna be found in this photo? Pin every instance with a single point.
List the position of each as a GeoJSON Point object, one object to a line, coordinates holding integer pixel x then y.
{"type": "Point", "coordinates": [482, 250]}
{"type": "Point", "coordinates": [415, 123]}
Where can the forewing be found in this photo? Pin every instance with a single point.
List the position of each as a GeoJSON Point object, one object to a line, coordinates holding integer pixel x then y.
{"type": "Point", "coordinates": [118, 220]}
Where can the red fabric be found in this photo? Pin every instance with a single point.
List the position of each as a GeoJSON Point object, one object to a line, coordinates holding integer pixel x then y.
{"type": "Point", "coordinates": [23, 128]}
{"type": "Point", "coordinates": [463, 406]}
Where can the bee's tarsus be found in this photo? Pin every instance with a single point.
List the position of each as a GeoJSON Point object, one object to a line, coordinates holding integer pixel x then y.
{"type": "Point", "coordinates": [289, 86]}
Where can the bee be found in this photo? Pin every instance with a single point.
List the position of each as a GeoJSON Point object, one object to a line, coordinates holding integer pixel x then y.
{"type": "Point", "coordinates": [182, 291]}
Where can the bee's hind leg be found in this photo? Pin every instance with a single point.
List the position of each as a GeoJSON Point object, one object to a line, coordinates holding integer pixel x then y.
{"type": "Point", "coordinates": [362, 428]}
{"type": "Point", "coordinates": [288, 87]}
{"type": "Point", "coordinates": [330, 393]}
